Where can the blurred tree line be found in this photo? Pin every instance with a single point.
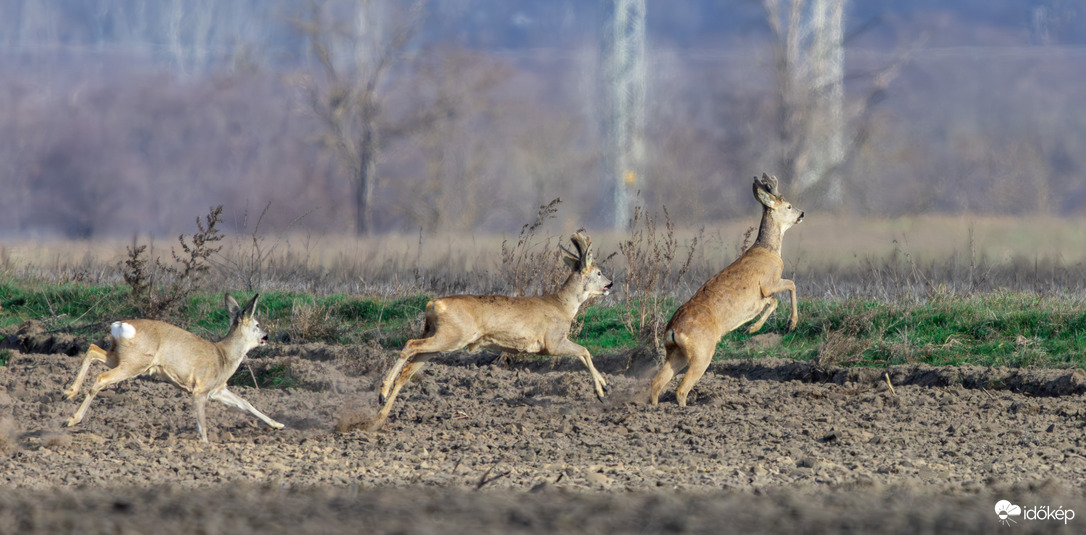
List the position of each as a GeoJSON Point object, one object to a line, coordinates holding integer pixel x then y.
{"type": "Point", "coordinates": [122, 116]}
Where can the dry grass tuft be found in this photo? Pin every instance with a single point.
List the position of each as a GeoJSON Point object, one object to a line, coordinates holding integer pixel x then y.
{"type": "Point", "coordinates": [309, 321]}
{"type": "Point", "coordinates": [846, 345]}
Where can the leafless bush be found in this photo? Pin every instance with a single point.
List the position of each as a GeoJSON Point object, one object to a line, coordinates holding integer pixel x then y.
{"type": "Point", "coordinates": [159, 289]}
{"type": "Point", "coordinates": [529, 267]}
{"type": "Point", "coordinates": [650, 254]}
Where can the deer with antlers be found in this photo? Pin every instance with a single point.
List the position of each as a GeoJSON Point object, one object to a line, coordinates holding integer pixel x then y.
{"type": "Point", "coordinates": [182, 358]}
{"type": "Point", "coordinates": [741, 292]}
{"type": "Point", "coordinates": [538, 325]}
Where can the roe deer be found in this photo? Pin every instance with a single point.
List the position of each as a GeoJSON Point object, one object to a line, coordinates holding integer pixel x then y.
{"type": "Point", "coordinates": [736, 295]}
{"type": "Point", "coordinates": [186, 360]}
{"type": "Point", "coordinates": [516, 324]}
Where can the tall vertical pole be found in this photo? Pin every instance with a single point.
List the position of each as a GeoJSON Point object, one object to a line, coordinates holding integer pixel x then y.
{"type": "Point", "coordinates": [623, 69]}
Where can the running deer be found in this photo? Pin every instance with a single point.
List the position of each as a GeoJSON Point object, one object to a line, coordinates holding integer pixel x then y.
{"type": "Point", "coordinates": [178, 356]}
{"type": "Point", "coordinates": [537, 325]}
{"type": "Point", "coordinates": [743, 291]}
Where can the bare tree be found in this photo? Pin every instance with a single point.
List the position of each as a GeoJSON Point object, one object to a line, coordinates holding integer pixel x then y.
{"type": "Point", "coordinates": [355, 45]}
{"type": "Point", "coordinates": [811, 123]}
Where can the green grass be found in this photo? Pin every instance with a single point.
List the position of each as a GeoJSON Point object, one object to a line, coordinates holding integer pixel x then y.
{"type": "Point", "coordinates": [996, 329]}
{"type": "Point", "coordinates": [277, 376]}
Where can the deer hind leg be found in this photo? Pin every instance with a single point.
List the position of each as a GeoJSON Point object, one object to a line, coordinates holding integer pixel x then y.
{"type": "Point", "coordinates": [770, 305]}
{"type": "Point", "coordinates": [440, 341]}
{"type": "Point", "coordinates": [94, 353]}
{"type": "Point", "coordinates": [676, 361]}
{"type": "Point", "coordinates": [110, 377]}
{"type": "Point", "coordinates": [199, 405]}
{"type": "Point", "coordinates": [700, 358]}
{"type": "Point", "coordinates": [406, 372]}
{"type": "Point", "coordinates": [233, 400]}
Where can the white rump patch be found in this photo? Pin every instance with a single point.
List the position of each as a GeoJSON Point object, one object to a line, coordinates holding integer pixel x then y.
{"type": "Point", "coordinates": [120, 329]}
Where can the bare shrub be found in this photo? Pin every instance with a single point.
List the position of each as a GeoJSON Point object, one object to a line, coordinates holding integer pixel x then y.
{"type": "Point", "coordinates": [159, 289]}
{"type": "Point", "coordinates": [529, 267]}
{"type": "Point", "coordinates": [650, 255]}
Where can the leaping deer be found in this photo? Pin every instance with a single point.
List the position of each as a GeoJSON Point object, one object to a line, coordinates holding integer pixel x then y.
{"type": "Point", "coordinates": [736, 295]}
{"type": "Point", "coordinates": [537, 325]}
{"type": "Point", "coordinates": [182, 358]}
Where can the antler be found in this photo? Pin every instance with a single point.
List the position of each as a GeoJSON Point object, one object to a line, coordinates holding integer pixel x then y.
{"type": "Point", "coordinates": [769, 183]}
{"type": "Point", "coordinates": [583, 244]}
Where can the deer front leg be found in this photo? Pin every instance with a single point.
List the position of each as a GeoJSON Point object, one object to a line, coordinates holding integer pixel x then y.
{"type": "Point", "coordinates": [784, 285]}
{"type": "Point", "coordinates": [567, 347]}
{"type": "Point", "coordinates": [94, 353]}
{"type": "Point", "coordinates": [233, 400]}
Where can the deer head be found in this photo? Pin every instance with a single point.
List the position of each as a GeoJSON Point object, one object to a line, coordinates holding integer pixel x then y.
{"type": "Point", "coordinates": [243, 323]}
{"type": "Point", "coordinates": [582, 263]}
{"type": "Point", "coordinates": [776, 208]}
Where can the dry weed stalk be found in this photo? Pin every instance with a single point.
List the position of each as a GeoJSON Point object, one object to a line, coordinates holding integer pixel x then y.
{"type": "Point", "coordinates": [251, 264]}
{"type": "Point", "coordinates": [650, 257]}
{"type": "Point", "coordinates": [527, 268]}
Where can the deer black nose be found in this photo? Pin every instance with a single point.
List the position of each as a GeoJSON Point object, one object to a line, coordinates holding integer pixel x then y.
{"type": "Point", "coordinates": [800, 217]}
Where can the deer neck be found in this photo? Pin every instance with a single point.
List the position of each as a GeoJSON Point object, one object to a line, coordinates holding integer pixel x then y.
{"type": "Point", "coordinates": [770, 233]}
{"type": "Point", "coordinates": [232, 348]}
{"type": "Point", "coordinates": [571, 295]}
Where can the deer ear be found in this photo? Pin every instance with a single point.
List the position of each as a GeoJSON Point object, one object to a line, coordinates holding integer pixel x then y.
{"type": "Point", "coordinates": [569, 257]}
{"type": "Point", "coordinates": [764, 195]}
{"type": "Point", "coordinates": [250, 308]}
{"type": "Point", "coordinates": [570, 261]}
{"type": "Point", "coordinates": [232, 307]}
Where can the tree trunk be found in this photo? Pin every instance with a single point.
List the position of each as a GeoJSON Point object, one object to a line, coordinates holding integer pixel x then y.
{"type": "Point", "coordinates": [367, 173]}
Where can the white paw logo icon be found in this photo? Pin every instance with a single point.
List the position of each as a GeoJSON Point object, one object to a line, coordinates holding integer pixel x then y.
{"type": "Point", "coordinates": [1006, 510]}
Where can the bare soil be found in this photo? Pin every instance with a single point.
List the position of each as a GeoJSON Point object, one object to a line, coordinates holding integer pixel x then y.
{"type": "Point", "coordinates": [498, 444]}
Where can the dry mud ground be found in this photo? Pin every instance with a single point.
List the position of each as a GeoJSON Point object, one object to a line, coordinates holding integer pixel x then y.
{"type": "Point", "coordinates": [483, 444]}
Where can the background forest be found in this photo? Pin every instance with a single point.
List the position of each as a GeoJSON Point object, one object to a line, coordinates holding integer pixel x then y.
{"type": "Point", "coordinates": [134, 116]}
